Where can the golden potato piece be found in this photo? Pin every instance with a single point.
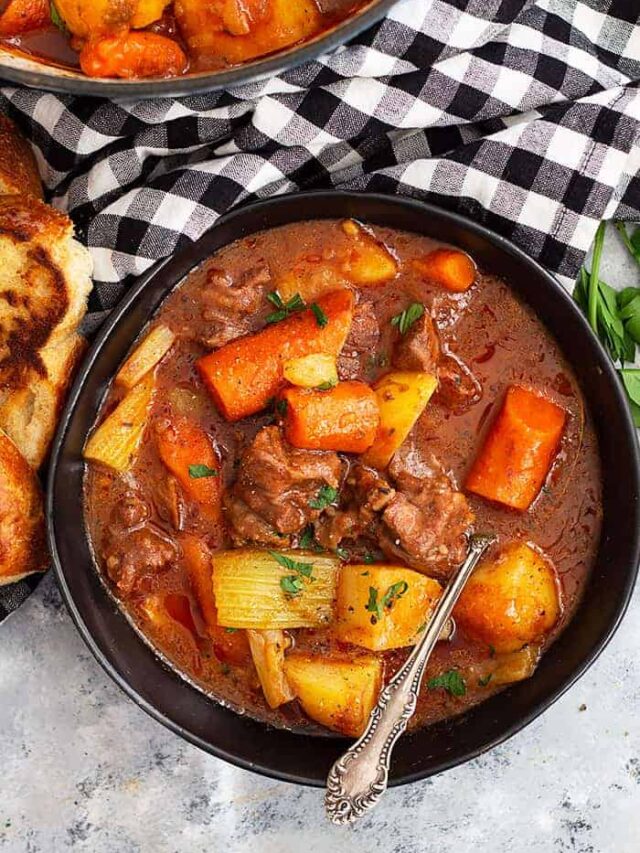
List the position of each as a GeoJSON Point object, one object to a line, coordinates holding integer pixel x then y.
{"type": "Point", "coordinates": [87, 18]}
{"type": "Point", "coordinates": [368, 262]}
{"type": "Point", "coordinates": [383, 607]}
{"type": "Point", "coordinates": [339, 694]}
{"type": "Point", "coordinates": [511, 599]}
{"type": "Point", "coordinates": [402, 397]}
{"type": "Point", "coordinates": [310, 371]}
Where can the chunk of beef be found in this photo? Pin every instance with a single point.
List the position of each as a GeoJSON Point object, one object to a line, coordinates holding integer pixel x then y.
{"type": "Point", "coordinates": [458, 388]}
{"type": "Point", "coordinates": [169, 501]}
{"type": "Point", "coordinates": [360, 344]}
{"type": "Point", "coordinates": [365, 494]}
{"type": "Point", "coordinates": [419, 348]}
{"type": "Point", "coordinates": [277, 482]}
{"type": "Point", "coordinates": [247, 526]}
{"type": "Point", "coordinates": [131, 557]}
{"type": "Point", "coordinates": [131, 511]}
{"type": "Point", "coordinates": [229, 305]}
{"type": "Point", "coordinates": [426, 522]}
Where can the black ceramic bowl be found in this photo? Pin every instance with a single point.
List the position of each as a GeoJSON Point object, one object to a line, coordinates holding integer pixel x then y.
{"type": "Point", "coordinates": [19, 68]}
{"type": "Point", "coordinates": [305, 758]}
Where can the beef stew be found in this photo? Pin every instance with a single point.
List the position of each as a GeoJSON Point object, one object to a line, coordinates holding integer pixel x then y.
{"type": "Point", "coordinates": [162, 38]}
{"type": "Point", "coordinates": [322, 413]}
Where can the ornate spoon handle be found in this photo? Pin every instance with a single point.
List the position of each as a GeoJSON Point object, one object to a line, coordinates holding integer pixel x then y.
{"type": "Point", "coordinates": [359, 778]}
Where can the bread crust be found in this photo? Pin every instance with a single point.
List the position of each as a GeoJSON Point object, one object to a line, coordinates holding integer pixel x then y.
{"type": "Point", "coordinates": [23, 548]}
{"type": "Point", "coordinates": [18, 168]}
{"type": "Point", "coordinates": [43, 298]}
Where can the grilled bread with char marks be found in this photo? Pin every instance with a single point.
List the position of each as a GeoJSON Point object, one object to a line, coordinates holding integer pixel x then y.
{"type": "Point", "coordinates": [45, 279]}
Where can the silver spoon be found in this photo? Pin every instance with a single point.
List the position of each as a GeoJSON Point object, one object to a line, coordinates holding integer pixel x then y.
{"type": "Point", "coordinates": [359, 778]}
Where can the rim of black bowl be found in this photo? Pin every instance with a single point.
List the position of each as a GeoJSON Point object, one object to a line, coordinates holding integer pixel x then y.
{"type": "Point", "coordinates": [206, 81]}
{"type": "Point", "coordinates": [278, 753]}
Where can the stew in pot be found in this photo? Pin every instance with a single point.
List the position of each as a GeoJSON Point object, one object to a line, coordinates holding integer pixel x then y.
{"type": "Point", "coordinates": [287, 467]}
{"type": "Point", "coordinates": [160, 38]}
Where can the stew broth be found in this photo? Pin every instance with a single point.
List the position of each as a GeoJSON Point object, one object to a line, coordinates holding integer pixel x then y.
{"type": "Point", "coordinates": [496, 342]}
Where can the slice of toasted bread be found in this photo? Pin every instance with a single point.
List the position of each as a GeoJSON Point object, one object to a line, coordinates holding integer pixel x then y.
{"type": "Point", "coordinates": [44, 287]}
{"type": "Point", "coordinates": [18, 169]}
{"type": "Point", "coordinates": [23, 548]}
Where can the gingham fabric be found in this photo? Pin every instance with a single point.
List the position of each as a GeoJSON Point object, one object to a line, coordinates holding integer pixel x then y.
{"type": "Point", "coordinates": [523, 115]}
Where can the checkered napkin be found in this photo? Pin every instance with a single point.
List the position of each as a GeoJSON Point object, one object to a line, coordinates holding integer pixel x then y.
{"type": "Point", "coordinates": [522, 114]}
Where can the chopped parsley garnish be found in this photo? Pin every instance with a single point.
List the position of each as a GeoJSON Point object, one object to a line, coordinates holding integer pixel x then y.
{"type": "Point", "coordinates": [451, 681]}
{"type": "Point", "coordinates": [308, 540]}
{"type": "Point", "coordinates": [281, 408]}
{"type": "Point", "coordinates": [292, 584]}
{"type": "Point", "coordinates": [56, 18]}
{"type": "Point", "coordinates": [370, 557]}
{"type": "Point", "coordinates": [327, 386]}
{"type": "Point", "coordinates": [395, 591]}
{"type": "Point", "coordinates": [492, 650]}
{"type": "Point", "coordinates": [325, 497]}
{"type": "Point", "coordinates": [197, 472]}
{"type": "Point", "coordinates": [285, 309]}
{"type": "Point", "coordinates": [485, 680]}
{"type": "Point", "coordinates": [321, 318]}
{"type": "Point", "coordinates": [342, 553]}
{"type": "Point", "coordinates": [373, 605]}
{"type": "Point", "coordinates": [376, 606]}
{"type": "Point", "coordinates": [230, 630]}
{"type": "Point", "coordinates": [408, 317]}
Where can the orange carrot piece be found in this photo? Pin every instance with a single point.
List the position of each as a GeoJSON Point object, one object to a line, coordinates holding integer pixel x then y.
{"type": "Point", "coordinates": [450, 268]}
{"type": "Point", "coordinates": [20, 16]}
{"type": "Point", "coordinates": [189, 455]}
{"type": "Point", "coordinates": [344, 418]}
{"type": "Point", "coordinates": [518, 451]}
{"type": "Point", "coordinates": [133, 54]}
{"type": "Point", "coordinates": [245, 374]}
{"type": "Point", "coordinates": [229, 646]}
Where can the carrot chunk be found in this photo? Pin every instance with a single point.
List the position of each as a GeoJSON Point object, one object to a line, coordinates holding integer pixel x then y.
{"type": "Point", "coordinates": [449, 268]}
{"type": "Point", "coordinates": [229, 646]}
{"type": "Point", "coordinates": [518, 451]}
{"type": "Point", "coordinates": [20, 16]}
{"type": "Point", "coordinates": [133, 55]}
{"type": "Point", "coordinates": [245, 374]}
{"type": "Point", "coordinates": [189, 455]}
{"type": "Point", "coordinates": [344, 418]}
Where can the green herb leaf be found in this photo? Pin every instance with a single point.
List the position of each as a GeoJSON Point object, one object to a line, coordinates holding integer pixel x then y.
{"type": "Point", "coordinates": [373, 605]}
{"type": "Point", "coordinates": [296, 303]}
{"type": "Point", "coordinates": [492, 650]}
{"type": "Point", "coordinates": [408, 317]}
{"type": "Point", "coordinates": [325, 497]}
{"type": "Point", "coordinates": [197, 472]}
{"type": "Point", "coordinates": [482, 682]}
{"type": "Point", "coordinates": [327, 386]}
{"type": "Point", "coordinates": [291, 585]}
{"type": "Point", "coordinates": [321, 318]}
{"type": "Point", "coordinates": [632, 243]}
{"type": "Point", "coordinates": [451, 681]}
{"type": "Point", "coordinates": [395, 591]}
{"type": "Point", "coordinates": [307, 539]}
{"type": "Point", "coordinates": [342, 553]}
{"type": "Point", "coordinates": [292, 565]}
{"type": "Point", "coordinates": [56, 18]}
{"type": "Point", "coordinates": [230, 630]}
{"type": "Point", "coordinates": [281, 408]}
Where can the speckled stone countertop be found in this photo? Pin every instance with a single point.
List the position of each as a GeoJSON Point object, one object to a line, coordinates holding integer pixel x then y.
{"type": "Point", "coordinates": [82, 767]}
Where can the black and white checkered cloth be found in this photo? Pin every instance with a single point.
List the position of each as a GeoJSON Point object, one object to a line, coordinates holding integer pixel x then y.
{"type": "Point", "coordinates": [523, 114]}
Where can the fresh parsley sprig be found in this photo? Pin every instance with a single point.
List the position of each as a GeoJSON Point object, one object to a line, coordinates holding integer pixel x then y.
{"type": "Point", "coordinates": [293, 584]}
{"type": "Point", "coordinates": [284, 309]}
{"type": "Point", "coordinates": [451, 681]}
{"type": "Point", "coordinates": [408, 317]}
{"type": "Point", "coordinates": [197, 472]}
{"type": "Point", "coordinates": [325, 497]}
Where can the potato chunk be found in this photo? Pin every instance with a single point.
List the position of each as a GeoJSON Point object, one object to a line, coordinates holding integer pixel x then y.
{"type": "Point", "coordinates": [310, 371]}
{"type": "Point", "coordinates": [269, 589]}
{"type": "Point", "coordinates": [511, 599]}
{"type": "Point", "coordinates": [90, 18]}
{"type": "Point", "coordinates": [339, 694]}
{"type": "Point", "coordinates": [402, 397]}
{"type": "Point", "coordinates": [383, 607]}
{"type": "Point", "coordinates": [368, 262]}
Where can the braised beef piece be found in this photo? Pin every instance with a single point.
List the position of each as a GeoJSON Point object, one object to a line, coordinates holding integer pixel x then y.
{"type": "Point", "coordinates": [364, 495]}
{"type": "Point", "coordinates": [277, 482]}
{"type": "Point", "coordinates": [458, 388]}
{"type": "Point", "coordinates": [229, 304]}
{"type": "Point", "coordinates": [132, 556]}
{"type": "Point", "coordinates": [131, 511]}
{"type": "Point", "coordinates": [418, 518]}
{"type": "Point", "coordinates": [419, 348]}
{"type": "Point", "coordinates": [169, 501]}
{"type": "Point", "coordinates": [360, 344]}
{"type": "Point", "coordinates": [426, 522]}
